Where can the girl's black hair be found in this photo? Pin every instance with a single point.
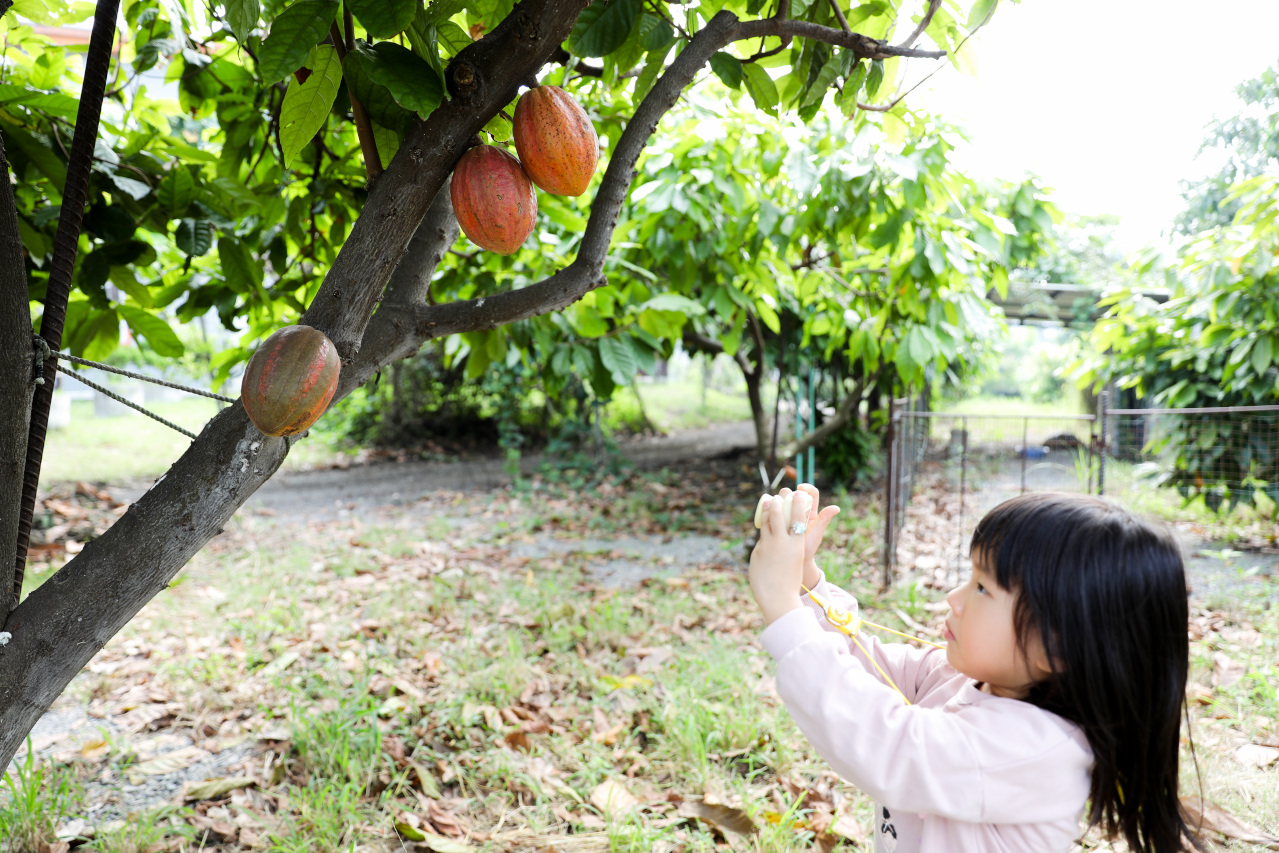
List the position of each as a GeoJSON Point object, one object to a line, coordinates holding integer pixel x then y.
{"type": "Point", "coordinates": [1106, 593]}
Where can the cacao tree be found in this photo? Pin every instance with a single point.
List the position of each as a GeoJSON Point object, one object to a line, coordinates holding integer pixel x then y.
{"type": "Point", "coordinates": [298, 177]}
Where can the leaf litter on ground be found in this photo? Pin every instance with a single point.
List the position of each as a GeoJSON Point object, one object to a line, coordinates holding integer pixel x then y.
{"type": "Point", "coordinates": [513, 703]}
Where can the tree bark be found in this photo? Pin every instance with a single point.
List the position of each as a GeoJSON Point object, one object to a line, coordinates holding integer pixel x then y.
{"type": "Point", "coordinates": [16, 386]}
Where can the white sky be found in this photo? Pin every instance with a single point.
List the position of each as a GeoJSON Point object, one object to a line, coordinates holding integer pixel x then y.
{"type": "Point", "coordinates": [1105, 100]}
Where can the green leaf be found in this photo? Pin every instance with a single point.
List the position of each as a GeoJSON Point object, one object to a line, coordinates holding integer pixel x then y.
{"type": "Point", "coordinates": [656, 63]}
{"type": "Point", "coordinates": [499, 128]}
{"type": "Point", "coordinates": [674, 302]}
{"type": "Point", "coordinates": [377, 100]}
{"type": "Point", "coordinates": [762, 89]}
{"type": "Point", "coordinates": [441, 10]}
{"type": "Point", "coordinates": [242, 273]}
{"type": "Point", "coordinates": [47, 70]}
{"type": "Point", "coordinates": [175, 191]}
{"type": "Point", "coordinates": [157, 332]}
{"type": "Point", "coordinates": [384, 18]}
{"type": "Point", "coordinates": [388, 142]}
{"type": "Point", "coordinates": [452, 38]}
{"type": "Point", "coordinates": [135, 190]}
{"type": "Point", "coordinates": [149, 54]}
{"type": "Point", "coordinates": [619, 360]}
{"type": "Point", "coordinates": [194, 237]}
{"type": "Point", "coordinates": [662, 35]}
{"type": "Point", "coordinates": [728, 69]}
{"type": "Point", "coordinates": [298, 29]}
{"type": "Point", "coordinates": [306, 105]}
{"type": "Point", "coordinates": [242, 16]}
{"type": "Point", "coordinates": [874, 78]}
{"type": "Point", "coordinates": [603, 27]}
{"type": "Point", "coordinates": [407, 76]}
{"type": "Point", "coordinates": [58, 104]}
{"type": "Point", "coordinates": [1261, 354]}
{"type": "Point", "coordinates": [981, 10]}
{"type": "Point", "coordinates": [823, 80]}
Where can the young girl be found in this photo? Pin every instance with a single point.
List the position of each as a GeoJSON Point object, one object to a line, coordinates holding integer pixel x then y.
{"type": "Point", "coordinates": [1062, 682]}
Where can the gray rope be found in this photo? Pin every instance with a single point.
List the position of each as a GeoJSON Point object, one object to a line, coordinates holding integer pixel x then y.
{"type": "Point", "coordinates": [131, 405]}
{"type": "Point", "coordinates": [142, 376]}
{"type": "Point", "coordinates": [43, 351]}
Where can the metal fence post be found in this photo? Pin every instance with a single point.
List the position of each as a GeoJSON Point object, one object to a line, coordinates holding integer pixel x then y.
{"type": "Point", "coordinates": [890, 494]}
{"type": "Point", "coordinates": [1104, 404]}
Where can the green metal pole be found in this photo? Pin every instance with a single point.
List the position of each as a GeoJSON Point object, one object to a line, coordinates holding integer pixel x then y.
{"type": "Point", "coordinates": [799, 426]}
{"type": "Point", "coordinates": [812, 422]}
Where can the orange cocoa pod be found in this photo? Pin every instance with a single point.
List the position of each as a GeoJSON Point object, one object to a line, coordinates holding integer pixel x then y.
{"type": "Point", "coordinates": [493, 199]}
{"type": "Point", "coordinates": [556, 140]}
{"type": "Point", "coordinates": [290, 380]}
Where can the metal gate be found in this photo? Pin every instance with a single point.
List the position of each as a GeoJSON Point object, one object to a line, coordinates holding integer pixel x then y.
{"type": "Point", "coordinates": [973, 462]}
{"type": "Point", "coordinates": [970, 463]}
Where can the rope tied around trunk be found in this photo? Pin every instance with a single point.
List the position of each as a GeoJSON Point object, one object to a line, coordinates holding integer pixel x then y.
{"type": "Point", "coordinates": [43, 351]}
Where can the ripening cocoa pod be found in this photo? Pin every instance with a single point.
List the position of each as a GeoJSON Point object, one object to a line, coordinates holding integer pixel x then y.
{"type": "Point", "coordinates": [493, 199]}
{"type": "Point", "coordinates": [556, 141]}
{"type": "Point", "coordinates": [290, 380]}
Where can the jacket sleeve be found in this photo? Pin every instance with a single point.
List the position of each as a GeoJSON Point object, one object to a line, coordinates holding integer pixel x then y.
{"type": "Point", "coordinates": [995, 763]}
{"type": "Point", "coordinates": [908, 666]}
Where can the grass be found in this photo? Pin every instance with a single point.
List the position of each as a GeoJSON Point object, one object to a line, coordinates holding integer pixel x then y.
{"type": "Point", "coordinates": [434, 684]}
{"type": "Point", "coordinates": [131, 446]}
{"type": "Point", "coordinates": [36, 797]}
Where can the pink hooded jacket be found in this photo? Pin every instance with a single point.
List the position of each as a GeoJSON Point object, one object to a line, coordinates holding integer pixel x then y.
{"type": "Point", "coordinates": [956, 770]}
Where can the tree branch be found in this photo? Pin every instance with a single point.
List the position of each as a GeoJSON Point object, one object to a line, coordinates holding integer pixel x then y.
{"type": "Point", "coordinates": [933, 6]}
{"type": "Point", "coordinates": [843, 22]}
{"type": "Point", "coordinates": [363, 126]}
{"type": "Point", "coordinates": [863, 47]}
{"type": "Point", "coordinates": [410, 283]}
{"type": "Point", "coordinates": [843, 414]}
{"type": "Point", "coordinates": [16, 361]}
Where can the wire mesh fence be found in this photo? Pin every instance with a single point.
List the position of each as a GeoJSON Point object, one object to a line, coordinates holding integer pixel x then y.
{"type": "Point", "coordinates": [1226, 456]}
{"type": "Point", "coordinates": [947, 470]}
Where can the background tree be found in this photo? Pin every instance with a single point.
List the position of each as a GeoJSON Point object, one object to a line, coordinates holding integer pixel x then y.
{"type": "Point", "coordinates": [1215, 342]}
{"type": "Point", "coordinates": [256, 203]}
{"type": "Point", "coordinates": [1248, 145]}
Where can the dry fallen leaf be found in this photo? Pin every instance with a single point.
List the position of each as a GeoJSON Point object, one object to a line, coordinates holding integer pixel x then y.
{"type": "Point", "coordinates": [612, 798]}
{"type": "Point", "coordinates": [169, 762]}
{"type": "Point", "coordinates": [1225, 671]}
{"type": "Point", "coordinates": [212, 789]}
{"type": "Point", "coordinates": [1210, 817]}
{"type": "Point", "coordinates": [732, 823]}
{"type": "Point", "coordinates": [1257, 755]}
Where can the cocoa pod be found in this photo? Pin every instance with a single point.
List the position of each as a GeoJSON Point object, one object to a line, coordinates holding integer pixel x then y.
{"type": "Point", "coordinates": [556, 141]}
{"type": "Point", "coordinates": [290, 380]}
{"type": "Point", "coordinates": [493, 199]}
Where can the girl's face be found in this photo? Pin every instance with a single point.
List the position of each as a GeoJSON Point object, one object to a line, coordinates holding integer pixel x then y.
{"type": "Point", "coordinates": [982, 643]}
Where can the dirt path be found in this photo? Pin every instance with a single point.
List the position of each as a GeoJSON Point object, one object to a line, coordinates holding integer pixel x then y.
{"type": "Point", "coordinates": [327, 493]}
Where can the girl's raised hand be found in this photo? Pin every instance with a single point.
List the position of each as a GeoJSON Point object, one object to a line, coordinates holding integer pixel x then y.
{"type": "Point", "coordinates": [777, 563]}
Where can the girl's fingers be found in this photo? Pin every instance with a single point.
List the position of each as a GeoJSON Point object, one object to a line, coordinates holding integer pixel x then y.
{"type": "Point", "coordinates": [800, 513]}
{"type": "Point", "coordinates": [774, 513]}
{"type": "Point", "coordinates": [811, 490]}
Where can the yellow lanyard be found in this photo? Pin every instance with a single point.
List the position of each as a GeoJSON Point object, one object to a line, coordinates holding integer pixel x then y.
{"type": "Point", "coordinates": [843, 623]}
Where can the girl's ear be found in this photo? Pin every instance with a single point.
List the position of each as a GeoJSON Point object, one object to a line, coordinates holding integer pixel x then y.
{"type": "Point", "coordinates": [1037, 660]}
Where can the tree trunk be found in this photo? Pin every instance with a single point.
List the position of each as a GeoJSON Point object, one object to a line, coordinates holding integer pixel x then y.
{"type": "Point", "coordinates": [16, 386]}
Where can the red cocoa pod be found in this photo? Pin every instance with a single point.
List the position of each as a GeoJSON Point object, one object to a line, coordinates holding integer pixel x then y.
{"type": "Point", "coordinates": [556, 141]}
{"type": "Point", "coordinates": [493, 199]}
{"type": "Point", "coordinates": [290, 380]}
